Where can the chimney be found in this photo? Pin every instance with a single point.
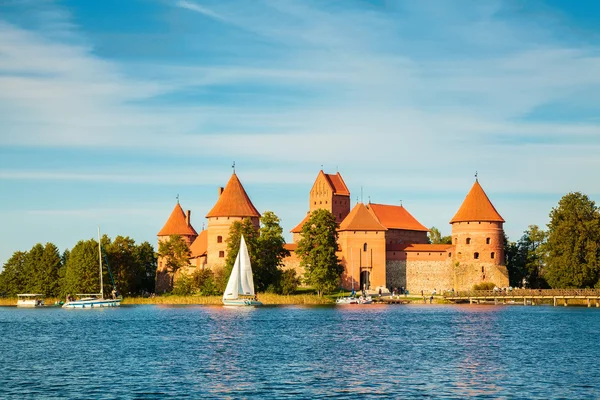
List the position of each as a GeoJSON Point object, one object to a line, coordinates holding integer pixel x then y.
{"type": "Point", "coordinates": [221, 190]}
{"type": "Point", "coordinates": [188, 217]}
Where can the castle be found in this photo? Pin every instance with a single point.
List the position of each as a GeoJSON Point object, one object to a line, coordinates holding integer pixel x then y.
{"type": "Point", "coordinates": [379, 245]}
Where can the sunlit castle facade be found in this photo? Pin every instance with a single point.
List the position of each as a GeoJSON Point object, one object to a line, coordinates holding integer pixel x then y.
{"type": "Point", "coordinates": [379, 245]}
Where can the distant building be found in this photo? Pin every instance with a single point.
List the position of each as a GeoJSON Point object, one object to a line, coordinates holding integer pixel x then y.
{"type": "Point", "coordinates": [379, 245]}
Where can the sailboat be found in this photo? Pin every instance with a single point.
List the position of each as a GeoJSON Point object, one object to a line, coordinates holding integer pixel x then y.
{"type": "Point", "coordinates": [240, 287]}
{"type": "Point", "coordinates": [95, 300]}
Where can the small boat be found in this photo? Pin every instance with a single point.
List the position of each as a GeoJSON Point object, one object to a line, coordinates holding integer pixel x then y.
{"type": "Point", "coordinates": [240, 287]}
{"type": "Point", "coordinates": [30, 300]}
{"type": "Point", "coordinates": [346, 300]}
{"type": "Point", "coordinates": [95, 300]}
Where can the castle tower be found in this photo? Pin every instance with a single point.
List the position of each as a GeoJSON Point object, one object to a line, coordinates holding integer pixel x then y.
{"type": "Point", "coordinates": [362, 242]}
{"type": "Point", "coordinates": [179, 223]}
{"type": "Point", "coordinates": [330, 193]}
{"type": "Point", "coordinates": [478, 237]}
{"type": "Point", "coordinates": [233, 205]}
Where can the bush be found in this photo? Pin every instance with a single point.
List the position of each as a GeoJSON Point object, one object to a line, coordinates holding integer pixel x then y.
{"type": "Point", "coordinates": [484, 286]}
{"type": "Point", "coordinates": [184, 285]}
{"type": "Point", "coordinates": [289, 282]}
{"type": "Point", "coordinates": [204, 282]}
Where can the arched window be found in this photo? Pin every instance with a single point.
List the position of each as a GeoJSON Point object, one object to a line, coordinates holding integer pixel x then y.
{"type": "Point", "coordinates": [455, 240]}
{"type": "Point", "coordinates": [488, 241]}
{"type": "Point", "coordinates": [468, 240]}
{"type": "Point", "coordinates": [476, 255]}
{"type": "Point", "coordinates": [219, 239]}
{"type": "Point", "coordinates": [493, 255]}
{"type": "Point", "coordinates": [365, 247]}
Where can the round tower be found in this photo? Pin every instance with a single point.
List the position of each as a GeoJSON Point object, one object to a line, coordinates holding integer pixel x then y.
{"type": "Point", "coordinates": [478, 238]}
{"type": "Point", "coordinates": [233, 205]}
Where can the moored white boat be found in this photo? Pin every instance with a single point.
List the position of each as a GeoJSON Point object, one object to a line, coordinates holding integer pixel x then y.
{"type": "Point", "coordinates": [94, 300]}
{"type": "Point", "coordinates": [240, 287]}
{"type": "Point", "coordinates": [30, 300]}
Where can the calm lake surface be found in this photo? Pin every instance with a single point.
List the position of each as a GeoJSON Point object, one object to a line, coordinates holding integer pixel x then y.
{"type": "Point", "coordinates": [301, 352]}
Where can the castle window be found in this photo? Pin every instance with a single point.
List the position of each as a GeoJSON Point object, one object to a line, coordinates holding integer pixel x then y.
{"type": "Point", "coordinates": [340, 215]}
{"type": "Point", "coordinates": [482, 270]}
{"type": "Point", "coordinates": [315, 203]}
{"type": "Point", "coordinates": [487, 241]}
{"type": "Point", "coordinates": [325, 201]}
{"type": "Point", "coordinates": [455, 240]}
{"type": "Point", "coordinates": [221, 254]}
{"type": "Point", "coordinates": [365, 247]}
{"type": "Point", "coordinates": [449, 254]}
{"type": "Point", "coordinates": [468, 240]}
{"type": "Point", "coordinates": [492, 255]}
{"type": "Point", "coordinates": [320, 202]}
{"type": "Point", "coordinates": [219, 239]}
{"type": "Point", "coordinates": [476, 255]}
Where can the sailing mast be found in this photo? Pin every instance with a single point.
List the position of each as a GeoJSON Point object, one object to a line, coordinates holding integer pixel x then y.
{"type": "Point", "coordinates": [100, 263]}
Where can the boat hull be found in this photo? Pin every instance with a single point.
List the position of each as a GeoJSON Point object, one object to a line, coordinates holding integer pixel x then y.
{"type": "Point", "coordinates": [95, 303]}
{"type": "Point", "coordinates": [242, 302]}
{"type": "Point", "coordinates": [30, 303]}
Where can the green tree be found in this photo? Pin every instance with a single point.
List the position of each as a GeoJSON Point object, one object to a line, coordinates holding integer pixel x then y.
{"type": "Point", "coordinates": [204, 282]}
{"type": "Point", "coordinates": [317, 249]}
{"type": "Point", "coordinates": [270, 253]}
{"type": "Point", "coordinates": [236, 230]}
{"type": "Point", "coordinates": [573, 243]}
{"type": "Point", "coordinates": [289, 281]}
{"type": "Point", "coordinates": [126, 271]}
{"type": "Point", "coordinates": [435, 237]}
{"type": "Point", "coordinates": [146, 259]}
{"type": "Point", "coordinates": [525, 260]}
{"type": "Point", "coordinates": [13, 277]}
{"type": "Point", "coordinates": [175, 252]}
{"type": "Point", "coordinates": [81, 269]}
{"type": "Point", "coordinates": [49, 271]}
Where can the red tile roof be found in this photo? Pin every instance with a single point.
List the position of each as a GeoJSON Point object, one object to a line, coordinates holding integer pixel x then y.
{"type": "Point", "coordinates": [298, 228]}
{"type": "Point", "coordinates": [233, 202]}
{"type": "Point", "coordinates": [290, 246]}
{"type": "Point", "coordinates": [395, 217]}
{"type": "Point", "coordinates": [477, 207]}
{"type": "Point", "coordinates": [200, 245]}
{"type": "Point", "coordinates": [176, 224]}
{"type": "Point", "coordinates": [337, 184]}
{"type": "Point", "coordinates": [360, 219]}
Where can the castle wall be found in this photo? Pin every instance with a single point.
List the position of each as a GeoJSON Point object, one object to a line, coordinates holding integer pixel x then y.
{"type": "Point", "coordinates": [420, 275]}
{"type": "Point", "coordinates": [400, 236]}
{"type": "Point", "coordinates": [468, 274]}
{"type": "Point", "coordinates": [218, 227]}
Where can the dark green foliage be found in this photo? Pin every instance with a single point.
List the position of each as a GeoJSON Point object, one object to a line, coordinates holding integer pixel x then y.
{"type": "Point", "coordinates": [82, 274]}
{"type": "Point", "coordinates": [317, 249]}
{"type": "Point", "coordinates": [573, 244]}
{"type": "Point", "coordinates": [289, 282]}
{"type": "Point", "coordinates": [146, 259]}
{"type": "Point", "coordinates": [49, 271]}
{"type": "Point", "coordinates": [204, 282]}
{"type": "Point", "coordinates": [270, 253]}
{"type": "Point", "coordinates": [525, 259]}
{"type": "Point", "coordinates": [14, 275]}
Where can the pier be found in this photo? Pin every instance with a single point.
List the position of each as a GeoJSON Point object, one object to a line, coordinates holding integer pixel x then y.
{"type": "Point", "coordinates": [591, 297]}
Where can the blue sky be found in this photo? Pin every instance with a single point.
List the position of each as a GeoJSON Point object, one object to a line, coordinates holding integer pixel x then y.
{"type": "Point", "coordinates": [110, 109]}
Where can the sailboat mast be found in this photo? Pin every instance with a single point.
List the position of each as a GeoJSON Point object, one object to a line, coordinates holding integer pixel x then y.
{"type": "Point", "coordinates": [352, 266]}
{"type": "Point", "coordinates": [100, 263]}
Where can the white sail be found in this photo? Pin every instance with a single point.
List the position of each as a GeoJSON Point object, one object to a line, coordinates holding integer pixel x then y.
{"type": "Point", "coordinates": [247, 282]}
{"type": "Point", "coordinates": [233, 286]}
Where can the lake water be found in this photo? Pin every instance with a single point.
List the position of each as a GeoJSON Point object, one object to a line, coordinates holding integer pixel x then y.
{"type": "Point", "coordinates": [371, 351]}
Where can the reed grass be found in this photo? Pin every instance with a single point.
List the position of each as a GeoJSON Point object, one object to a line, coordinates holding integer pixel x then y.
{"type": "Point", "coordinates": [265, 298]}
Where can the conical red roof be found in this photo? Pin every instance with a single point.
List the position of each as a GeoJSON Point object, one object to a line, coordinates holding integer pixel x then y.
{"type": "Point", "coordinates": [233, 202]}
{"type": "Point", "coordinates": [360, 219]}
{"type": "Point", "coordinates": [177, 225]}
{"type": "Point", "coordinates": [477, 207]}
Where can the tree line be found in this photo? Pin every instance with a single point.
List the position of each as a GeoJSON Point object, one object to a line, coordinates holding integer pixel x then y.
{"type": "Point", "coordinates": [45, 270]}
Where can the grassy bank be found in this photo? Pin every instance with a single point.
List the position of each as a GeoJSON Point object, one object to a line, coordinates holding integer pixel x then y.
{"type": "Point", "coordinates": [265, 298]}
